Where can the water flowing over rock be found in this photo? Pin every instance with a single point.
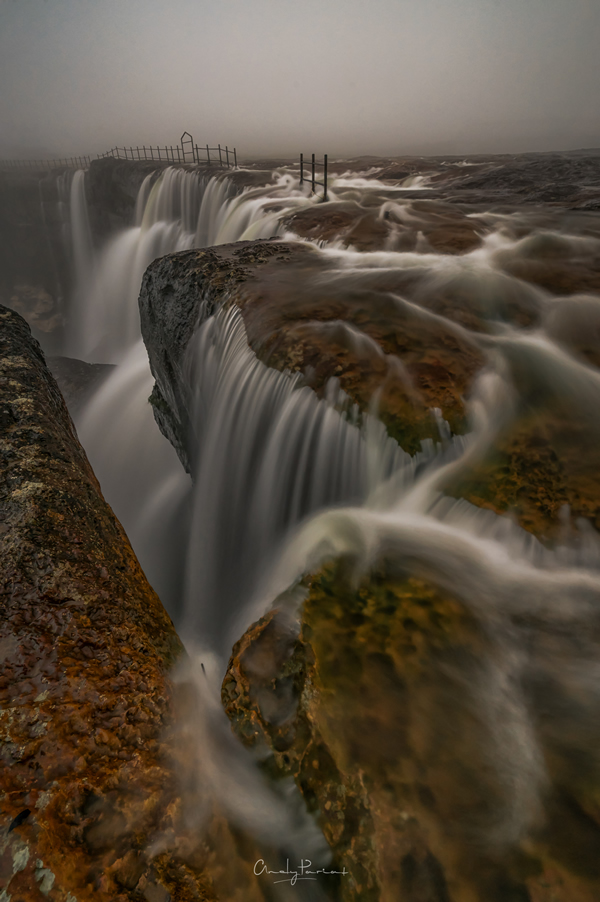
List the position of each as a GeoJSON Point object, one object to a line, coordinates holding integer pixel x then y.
{"type": "Point", "coordinates": [419, 690]}
{"type": "Point", "coordinates": [387, 405]}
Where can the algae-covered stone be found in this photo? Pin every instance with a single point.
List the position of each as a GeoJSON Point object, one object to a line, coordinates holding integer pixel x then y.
{"type": "Point", "coordinates": [379, 709]}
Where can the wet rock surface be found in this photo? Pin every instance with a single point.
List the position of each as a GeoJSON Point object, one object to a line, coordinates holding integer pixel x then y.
{"type": "Point", "coordinates": [412, 336]}
{"type": "Point", "coordinates": [293, 323]}
{"type": "Point", "coordinates": [87, 777]}
{"type": "Point", "coordinates": [379, 709]}
{"type": "Point", "coordinates": [377, 704]}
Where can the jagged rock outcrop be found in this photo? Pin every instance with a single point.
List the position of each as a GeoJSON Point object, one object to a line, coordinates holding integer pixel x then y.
{"type": "Point", "coordinates": [87, 776]}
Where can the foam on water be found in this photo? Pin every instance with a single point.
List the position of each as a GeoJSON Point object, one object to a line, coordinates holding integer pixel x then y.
{"type": "Point", "coordinates": [285, 481]}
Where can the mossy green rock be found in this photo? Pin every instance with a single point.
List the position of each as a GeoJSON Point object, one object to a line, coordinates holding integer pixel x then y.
{"type": "Point", "coordinates": [375, 710]}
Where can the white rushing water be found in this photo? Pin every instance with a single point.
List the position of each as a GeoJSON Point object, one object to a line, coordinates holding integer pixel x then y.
{"type": "Point", "coordinates": [137, 467]}
{"type": "Point", "coordinates": [284, 481]}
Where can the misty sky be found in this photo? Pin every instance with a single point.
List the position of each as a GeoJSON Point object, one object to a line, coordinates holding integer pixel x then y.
{"type": "Point", "coordinates": [279, 76]}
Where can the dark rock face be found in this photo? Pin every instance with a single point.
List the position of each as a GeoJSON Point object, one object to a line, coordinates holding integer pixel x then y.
{"type": "Point", "coordinates": [77, 379]}
{"type": "Point", "coordinates": [34, 267]}
{"type": "Point", "coordinates": [112, 187]}
{"type": "Point", "coordinates": [86, 772]}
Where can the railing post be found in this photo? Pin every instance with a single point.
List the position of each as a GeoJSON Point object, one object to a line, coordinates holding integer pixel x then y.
{"type": "Point", "coordinates": [301, 168]}
{"type": "Point", "coordinates": [227, 155]}
{"type": "Point", "coordinates": [178, 160]}
{"type": "Point", "coordinates": [234, 158]}
{"type": "Point", "coordinates": [220, 157]}
{"type": "Point", "coordinates": [325, 176]}
{"type": "Point", "coordinates": [208, 154]}
{"type": "Point", "coordinates": [313, 173]}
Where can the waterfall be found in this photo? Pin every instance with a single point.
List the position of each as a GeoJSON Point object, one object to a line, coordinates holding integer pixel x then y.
{"type": "Point", "coordinates": [105, 324]}
{"type": "Point", "coordinates": [137, 468]}
{"type": "Point", "coordinates": [81, 233]}
{"type": "Point", "coordinates": [139, 472]}
{"type": "Point", "coordinates": [269, 454]}
{"type": "Point", "coordinates": [284, 481]}
{"type": "Point", "coordinates": [179, 211]}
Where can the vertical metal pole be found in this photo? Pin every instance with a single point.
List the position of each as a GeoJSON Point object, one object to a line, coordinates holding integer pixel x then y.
{"type": "Point", "coordinates": [208, 154]}
{"type": "Point", "coordinates": [313, 173]}
{"type": "Point", "coordinates": [131, 149]}
{"type": "Point", "coordinates": [220, 157]}
{"type": "Point", "coordinates": [227, 154]}
{"type": "Point", "coordinates": [301, 168]}
{"type": "Point", "coordinates": [178, 160]}
{"type": "Point", "coordinates": [325, 176]}
{"type": "Point", "coordinates": [234, 158]}
{"type": "Point", "coordinates": [138, 153]}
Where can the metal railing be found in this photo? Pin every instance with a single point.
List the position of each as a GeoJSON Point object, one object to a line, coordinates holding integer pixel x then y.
{"type": "Point", "coordinates": [313, 180]}
{"type": "Point", "coordinates": [67, 163]}
{"type": "Point", "coordinates": [187, 151]}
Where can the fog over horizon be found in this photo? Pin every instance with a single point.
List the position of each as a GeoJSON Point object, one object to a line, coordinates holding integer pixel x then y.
{"type": "Point", "coordinates": [275, 77]}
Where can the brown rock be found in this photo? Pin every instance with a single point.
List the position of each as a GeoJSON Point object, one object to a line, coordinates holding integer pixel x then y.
{"type": "Point", "coordinates": [86, 648]}
{"type": "Point", "coordinates": [376, 711]}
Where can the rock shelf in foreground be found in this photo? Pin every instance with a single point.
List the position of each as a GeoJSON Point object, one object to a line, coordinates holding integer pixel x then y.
{"type": "Point", "coordinates": [85, 648]}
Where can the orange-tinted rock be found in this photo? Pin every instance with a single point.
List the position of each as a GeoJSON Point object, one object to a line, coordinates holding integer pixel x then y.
{"type": "Point", "coordinates": [86, 648]}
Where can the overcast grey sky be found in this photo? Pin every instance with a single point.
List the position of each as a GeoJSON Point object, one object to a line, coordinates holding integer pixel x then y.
{"type": "Point", "coordinates": [279, 76]}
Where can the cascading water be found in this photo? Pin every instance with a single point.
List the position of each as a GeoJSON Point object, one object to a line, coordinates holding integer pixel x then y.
{"type": "Point", "coordinates": [137, 467]}
{"type": "Point", "coordinates": [284, 481]}
{"type": "Point", "coordinates": [268, 455]}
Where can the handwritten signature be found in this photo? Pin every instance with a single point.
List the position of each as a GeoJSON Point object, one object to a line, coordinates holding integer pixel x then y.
{"type": "Point", "coordinates": [303, 872]}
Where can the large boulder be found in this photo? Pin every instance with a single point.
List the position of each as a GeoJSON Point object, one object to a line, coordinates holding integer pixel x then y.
{"type": "Point", "coordinates": [391, 712]}
{"type": "Point", "coordinates": [411, 336]}
{"type": "Point", "coordinates": [296, 320]}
